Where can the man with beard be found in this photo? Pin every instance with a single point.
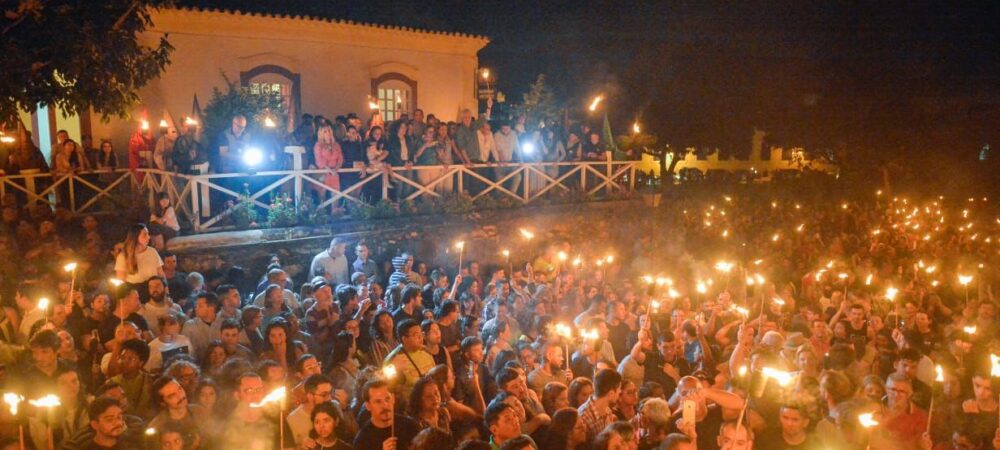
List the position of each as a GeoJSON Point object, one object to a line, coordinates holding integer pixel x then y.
{"type": "Point", "coordinates": [107, 421]}
{"type": "Point", "coordinates": [159, 304]}
{"type": "Point", "coordinates": [175, 411]}
{"type": "Point", "coordinates": [386, 429]}
{"type": "Point", "coordinates": [551, 370]}
{"type": "Point", "coordinates": [249, 427]}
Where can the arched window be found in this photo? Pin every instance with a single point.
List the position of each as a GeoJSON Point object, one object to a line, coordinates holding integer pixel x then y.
{"type": "Point", "coordinates": [271, 78]}
{"type": "Point", "coordinates": [396, 94]}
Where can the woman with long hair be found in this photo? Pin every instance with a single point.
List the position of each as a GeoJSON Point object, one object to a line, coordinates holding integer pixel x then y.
{"type": "Point", "coordinates": [382, 338]}
{"type": "Point", "coordinates": [425, 405]}
{"type": "Point", "coordinates": [274, 302]}
{"type": "Point", "coordinates": [343, 367]}
{"type": "Point", "coordinates": [580, 389]}
{"type": "Point", "coordinates": [497, 339]}
{"type": "Point", "coordinates": [138, 262]}
{"type": "Point", "coordinates": [444, 376]}
{"type": "Point", "coordinates": [329, 157]}
{"type": "Point", "coordinates": [163, 225]}
{"type": "Point", "coordinates": [252, 319]}
{"type": "Point", "coordinates": [432, 342]}
{"type": "Point", "coordinates": [72, 414]}
{"type": "Point", "coordinates": [325, 417]}
{"type": "Point", "coordinates": [566, 432]}
{"type": "Point", "coordinates": [215, 357]}
{"type": "Point", "coordinates": [280, 348]}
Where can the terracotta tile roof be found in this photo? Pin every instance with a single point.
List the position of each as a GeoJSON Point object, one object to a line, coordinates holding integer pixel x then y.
{"type": "Point", "coordinates": [316, 18]}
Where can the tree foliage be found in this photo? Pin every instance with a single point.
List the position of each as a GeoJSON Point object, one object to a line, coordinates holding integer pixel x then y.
{"type": "Point", "coordinates": [539, 103]}
{"type": "Point", "coordinates": [77, 55]}
{"type": "Point", "coordinates": [236, 100]}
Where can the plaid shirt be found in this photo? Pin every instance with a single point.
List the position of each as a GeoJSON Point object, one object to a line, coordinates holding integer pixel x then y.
{"type": "Point", "coordinates": [595, 419]}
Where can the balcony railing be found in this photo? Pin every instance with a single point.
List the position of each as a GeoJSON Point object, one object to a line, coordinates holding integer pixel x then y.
{"type": "Point", "coordinates": [206, 200]}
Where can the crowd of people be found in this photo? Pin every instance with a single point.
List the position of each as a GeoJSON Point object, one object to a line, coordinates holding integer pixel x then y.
{"type": "Point", "coordinates": [757, 323]}
{"type": "Point", "coordinates": [335, 146]}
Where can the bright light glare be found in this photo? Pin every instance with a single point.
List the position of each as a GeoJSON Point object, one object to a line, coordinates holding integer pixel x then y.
{"type": "Point", "coordinates": [253, 156]}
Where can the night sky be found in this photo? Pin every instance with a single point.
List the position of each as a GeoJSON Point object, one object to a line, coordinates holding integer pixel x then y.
{"type": "Point", "coordinates": [900, 77]}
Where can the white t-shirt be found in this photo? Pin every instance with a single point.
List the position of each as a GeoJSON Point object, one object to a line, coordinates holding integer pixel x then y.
{"type": "Point", "coordinates": [149, 263]}
{"type": "Point", "coordinates": [158, 347]}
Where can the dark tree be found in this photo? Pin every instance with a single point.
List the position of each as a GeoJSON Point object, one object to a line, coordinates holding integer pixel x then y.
{"type": "Point", "coordinates": [77, 55]}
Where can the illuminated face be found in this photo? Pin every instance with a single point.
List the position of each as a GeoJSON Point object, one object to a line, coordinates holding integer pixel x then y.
{"type": "Point", "coordinates": [44, 356]}
{"type": "Point", "coordinates": [251, 390]}
{"type": "Point", "coordinates": [982, 388]}
{"type": "Point", "coordinates": [311, 367]}
{"type": "Point", "coordinates": [230, 337]}
{"type": "Point", "coordinates": [431, 398]}
{"type": "Point", "coordinates": [508, 425]}
{"type": "Point", "coordinates": [899, 393]}
{"type": "Point", "coordinates": [172, 440]}
{"type": "Point", "coordinates": [433, 336]}
{"type": "Point", "coordinates": [874, 392]}
{"type": "Point", "coordinates": [68, 385]}
{"type": "Point", "coordinates": [239, 125]}
{"type": "Point", "coordinates": [129, 361]}
{"type": "Point", "coordinates": [362, 252]}
{"type": "Point", "coordinates": [793, 421]}
{"type": "Point", "coordinates": [110, 423]}
{"type": "Point", "coordinates": [207, 397]}
{"type": "Point", "coordinates": [380, 404]}
{"type": "Point", "coordinates": [324, 392]}
{"type": "Point", "coordinates": [324, 424]}
{"type": "Point", "coordinates": [732, 438]}
{"type": "Point", "coordinates": [173, 395]}
{"type": "Point", "coordinates": [276, 336]}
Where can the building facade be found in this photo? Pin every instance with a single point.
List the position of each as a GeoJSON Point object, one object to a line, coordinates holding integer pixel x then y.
{"type": "Point", "coordinates": [320, 66]}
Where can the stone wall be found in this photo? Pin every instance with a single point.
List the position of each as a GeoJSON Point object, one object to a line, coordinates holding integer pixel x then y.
{"type": "Point", "coordinates": [599, 227]}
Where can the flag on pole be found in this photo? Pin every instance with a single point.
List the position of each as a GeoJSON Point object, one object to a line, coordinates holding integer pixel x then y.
{"type": "Point", "coordinates": [609, 140]}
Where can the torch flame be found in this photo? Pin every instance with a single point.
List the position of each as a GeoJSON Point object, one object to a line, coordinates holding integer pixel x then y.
{"type": "Point", "coordinates": [115, 282]}
{"type": "Point", "coordinates": [43, 303]}
{"type": "Point", "coordinates": [890, 293]}
{"type": "Point", "coordinates": [12, 400]}
{"type": "Point", "coordinates": [460, 245]}
{"type": "Point", "coordinates": [389, 371]}
{"type": "Point", "coordinates": [969, 329]}
{"type": "Point", "coordinates": [274, 396]}
{"type": "Point", "coordinates": [783, 378]}
{"type": "Point", "coordinates": [964, 280]}
{"type": "Point", "coordinates": [48, 401]}
{"type": "Point", "coordinates": [563, 330]}
{"type": "Point", "coordinates": [940, 374]}
{"type": "Point", "coordinates": [867, 420]}
{"type": "Point", "coordinates": [593, 104]}
{"type": "Point", "coordinates": [994, 365]}
{"type": "Point", "coordinates": [70, 267]}
{"type": "Point", "coordinates": [635, 127]}
{"type": "Point", "coordinates": [868, 280]}
{"type": "Point", "coordinates": [723, 266]}
{"type": "Point", "coordinates": [527, 234]}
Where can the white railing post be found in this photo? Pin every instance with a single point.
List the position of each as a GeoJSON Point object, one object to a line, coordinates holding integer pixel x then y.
{"type": "Point", "coordinates": [297, 151]}
{"type": "Point", "coordinates": [204, 202]}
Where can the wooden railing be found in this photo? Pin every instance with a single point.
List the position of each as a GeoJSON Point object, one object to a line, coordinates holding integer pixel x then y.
{"type": "Point", "coordinates": [204, 200]}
